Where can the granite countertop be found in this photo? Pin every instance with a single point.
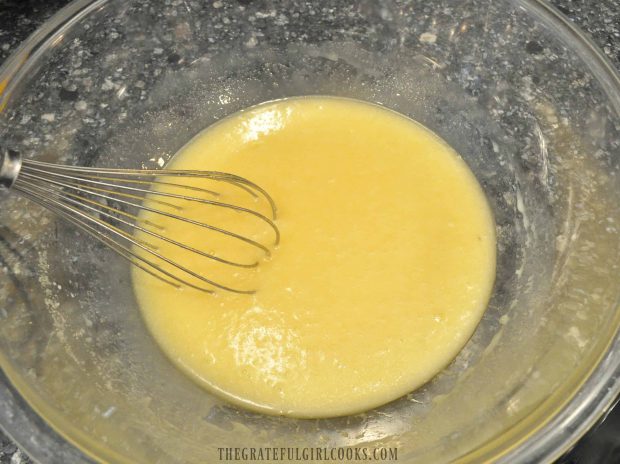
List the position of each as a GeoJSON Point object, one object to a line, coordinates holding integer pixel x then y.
{"type": "Point", "coordinates": [601, 20]}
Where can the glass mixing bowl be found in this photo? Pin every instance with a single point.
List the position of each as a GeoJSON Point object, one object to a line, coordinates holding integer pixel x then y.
{"type": "Point", "coordinates": [529, 103]}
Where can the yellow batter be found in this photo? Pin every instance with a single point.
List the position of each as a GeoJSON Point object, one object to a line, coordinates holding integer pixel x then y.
{"type": "Point", "coordinates": [386, 263]}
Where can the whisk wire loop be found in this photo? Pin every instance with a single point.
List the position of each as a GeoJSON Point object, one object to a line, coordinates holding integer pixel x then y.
{"type": "Point", "coordinates": [106, 204]}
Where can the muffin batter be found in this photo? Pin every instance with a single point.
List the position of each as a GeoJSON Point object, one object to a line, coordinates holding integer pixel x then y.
{"type": "Point", "coordinates": [385, 267]}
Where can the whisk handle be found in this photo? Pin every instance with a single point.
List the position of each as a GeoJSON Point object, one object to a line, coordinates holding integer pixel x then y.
{"type": "Point", "coordinates": [10, 165]}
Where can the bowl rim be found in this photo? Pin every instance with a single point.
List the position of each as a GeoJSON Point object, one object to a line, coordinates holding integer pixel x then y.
{"type": "Point", "coordinates": [592, 401]}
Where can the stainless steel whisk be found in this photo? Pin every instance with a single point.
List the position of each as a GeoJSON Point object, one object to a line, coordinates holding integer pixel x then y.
{"type": "Point", "coordinates": [83, 197]}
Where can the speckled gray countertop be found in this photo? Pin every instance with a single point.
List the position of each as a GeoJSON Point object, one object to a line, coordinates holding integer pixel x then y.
{"type": "Point", "coordinates": [601, 19]}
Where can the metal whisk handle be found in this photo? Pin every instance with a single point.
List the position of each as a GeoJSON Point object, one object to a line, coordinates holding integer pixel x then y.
{"type": "Point", "coordinates": [10, 165]}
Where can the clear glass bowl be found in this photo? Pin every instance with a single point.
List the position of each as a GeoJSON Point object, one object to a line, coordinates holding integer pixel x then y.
{"type": "Point", "coordinates": [529, 103]}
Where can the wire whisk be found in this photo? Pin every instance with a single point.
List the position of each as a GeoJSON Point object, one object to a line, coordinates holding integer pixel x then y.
{"type": "Point", "coordinates": [109, 204]}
